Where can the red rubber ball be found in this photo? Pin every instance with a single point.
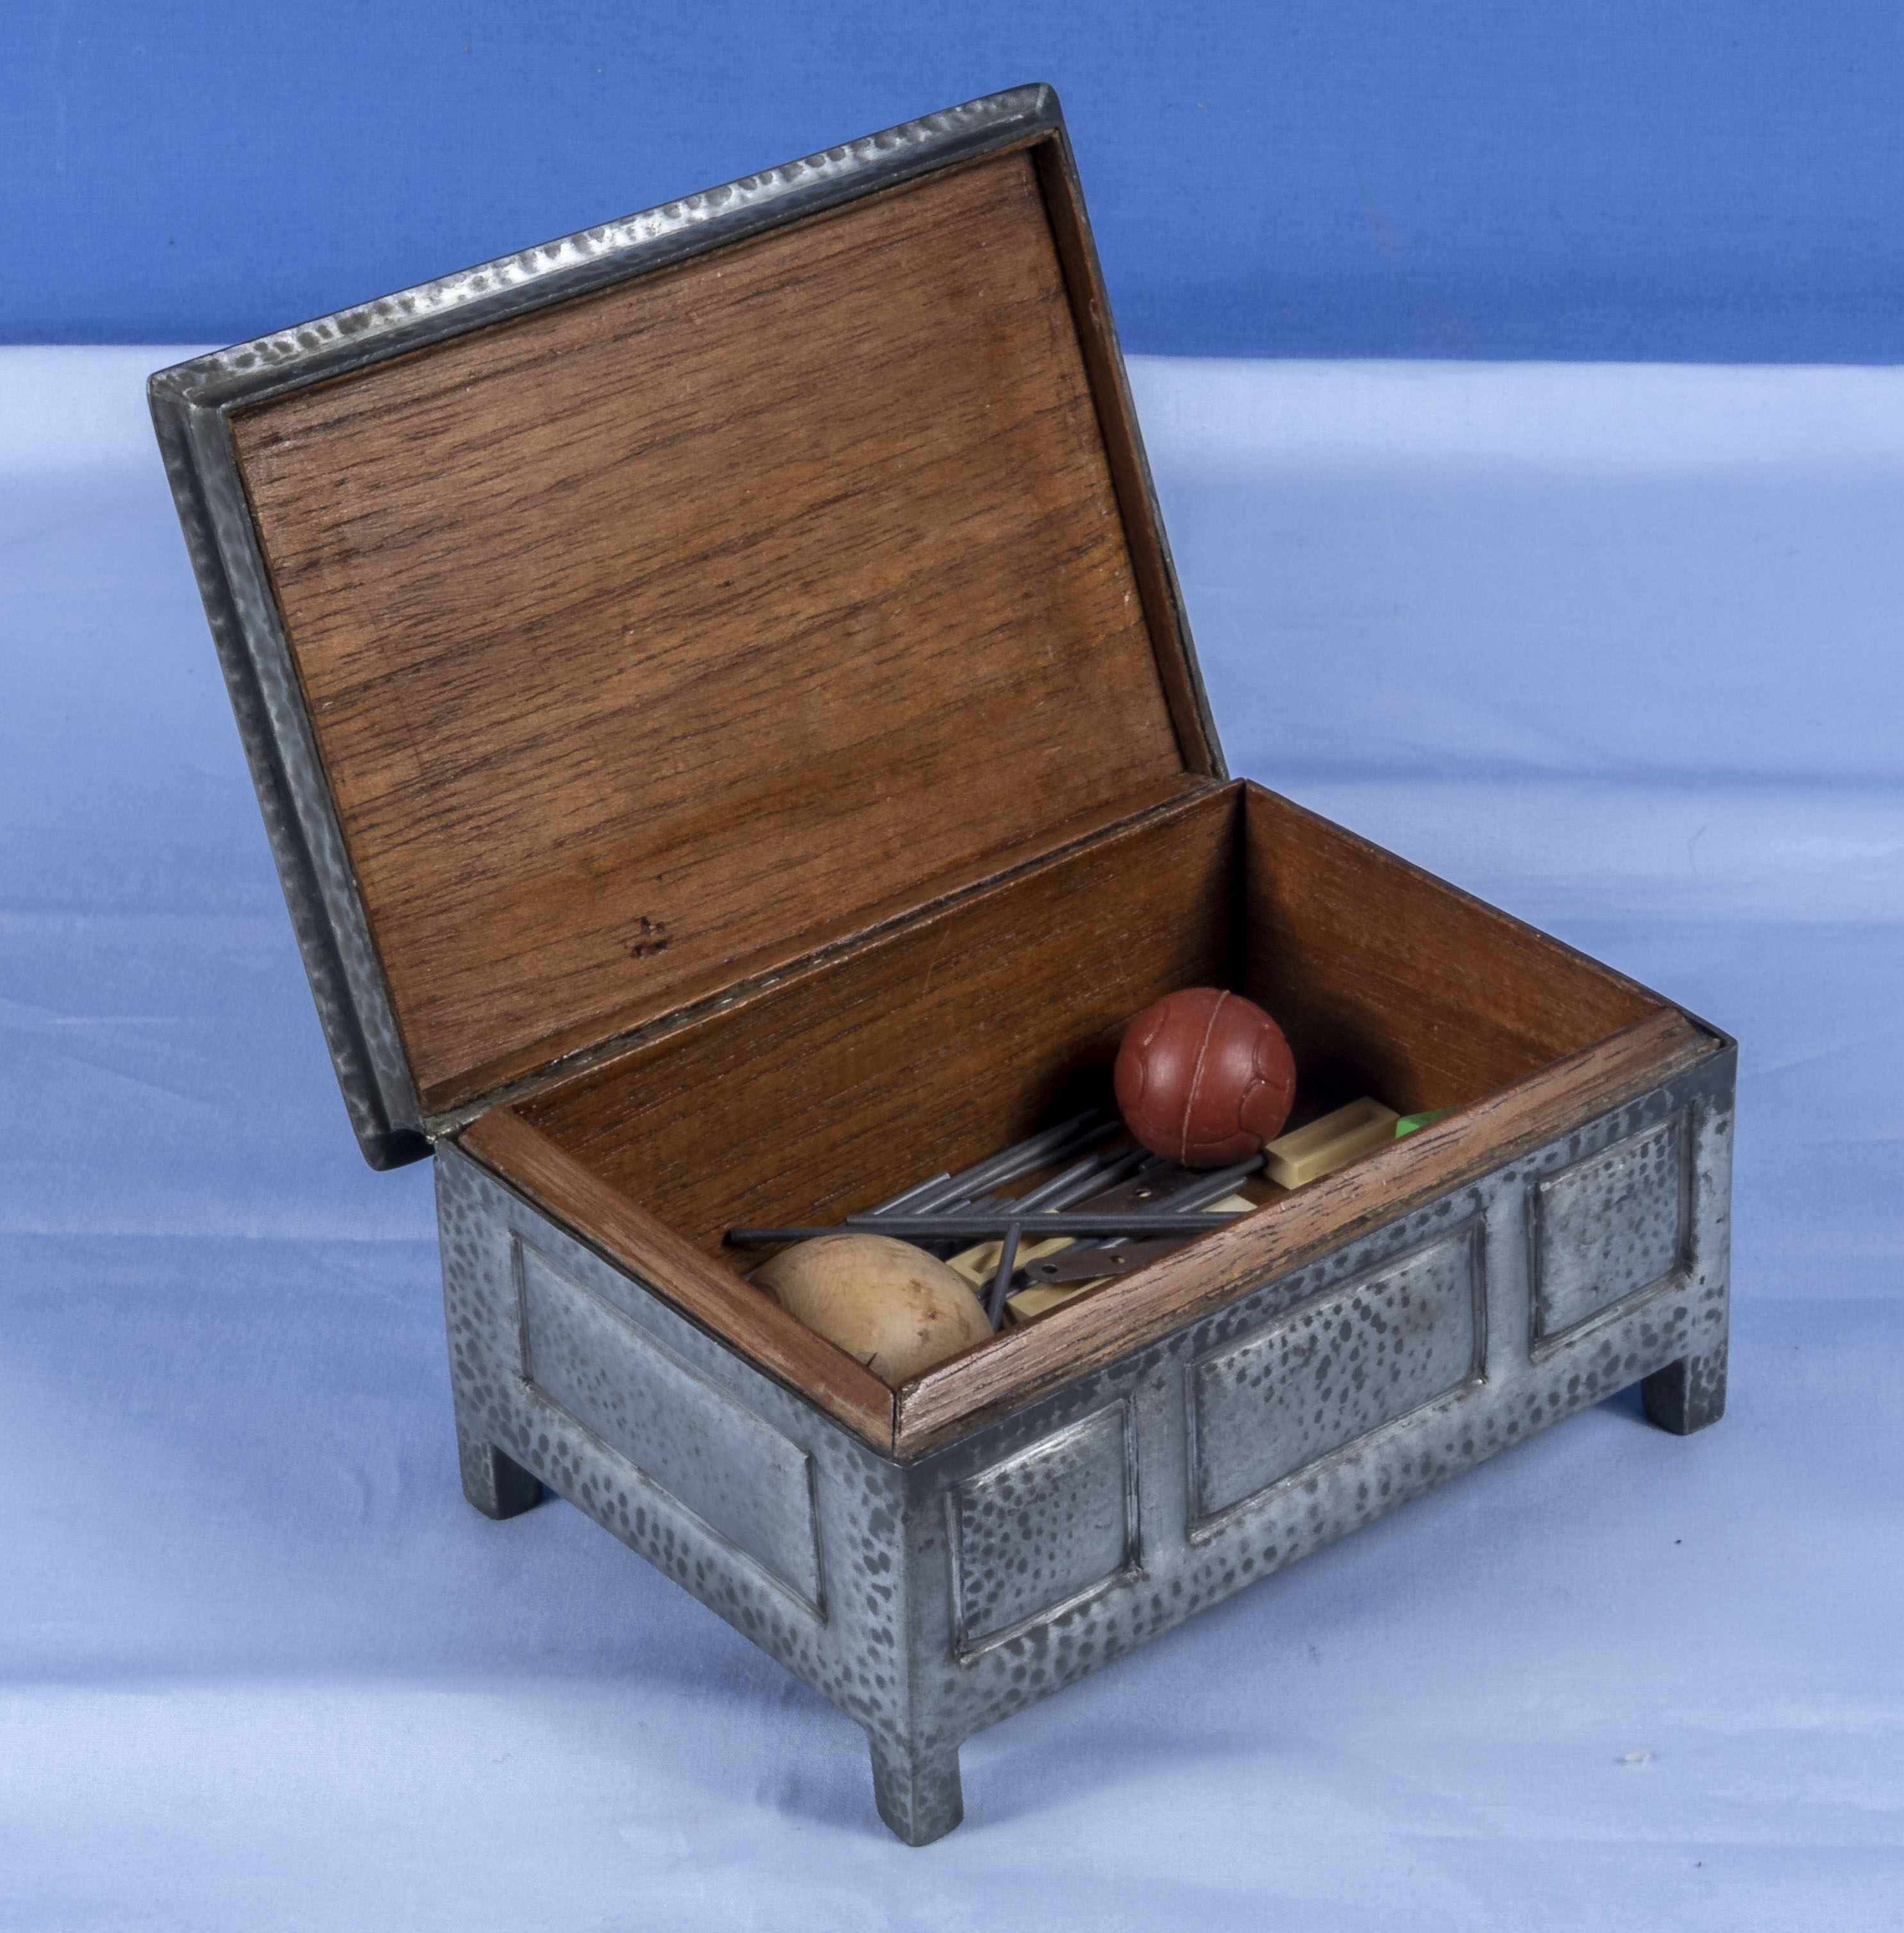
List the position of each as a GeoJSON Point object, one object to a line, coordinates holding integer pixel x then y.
{"type": "Point", "coordinates": [1204, 1078]}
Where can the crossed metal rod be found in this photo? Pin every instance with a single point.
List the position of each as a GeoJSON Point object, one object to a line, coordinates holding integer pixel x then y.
{"type": "Point", "coordinates": [947, 1207]}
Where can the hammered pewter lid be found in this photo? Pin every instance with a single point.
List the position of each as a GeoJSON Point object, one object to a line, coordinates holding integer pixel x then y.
{"type": "Point", "coordinates": [615, 626]}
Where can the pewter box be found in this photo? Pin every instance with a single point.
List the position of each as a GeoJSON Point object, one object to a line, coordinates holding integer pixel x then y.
{"type": "Point", "coordinates": [721, 703]}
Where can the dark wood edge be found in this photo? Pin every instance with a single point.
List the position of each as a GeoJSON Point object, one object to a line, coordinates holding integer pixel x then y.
{"type": "Point", "coordinates": [1029, 1363]}
{"type": "Point", "coordinates": [1191, 715]}
{"type": "Point", "coordinates": [528, 1160]}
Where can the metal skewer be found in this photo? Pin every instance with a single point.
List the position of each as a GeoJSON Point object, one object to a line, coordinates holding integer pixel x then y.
{"type": "Point", "coordinates": [1079, 1265]}
{"type": "Point", "coordinates": [1020, 1159]}
{"type": "Point", "coordinates": [1095, 1171]}
{"type": "Point", "coordinates": [1008, 1265]}
{"type": "Point", "coordinates": [953, 1208]}
{"type": "Point", "coordinates": [966, 1191]}
{"type": "Point", "coordinates": [907, 1195]}
{"type": "Point", "coordinates": [1212, 1187]}
{"type": "Point", "coordinates": [976, 1225]}
{"type": "Point", "coordinates": [975, 1219]}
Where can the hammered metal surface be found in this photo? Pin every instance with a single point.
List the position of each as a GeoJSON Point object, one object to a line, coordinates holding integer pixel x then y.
{"type": "Point", "coordinates": [1341, 1365]}
{"type": "Point", "coordinates": [1609, 1227]}
{"type": "Point", "coordinates": [961, 1587]}
{"type": "Point", "coordinates": [696, 1447]}
{"type": "Point", "coordinates": [1041, 1528]}
{"type": "Point", "coordinates": [572, 264]}
{"type": "Point", "coordinates": [849, 1650]}
{"type": "Point", "coordinates": [320, 889]}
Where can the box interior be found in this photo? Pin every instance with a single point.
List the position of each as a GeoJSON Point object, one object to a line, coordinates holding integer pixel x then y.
{"type": "Point", "coordinates": [980, 1022]}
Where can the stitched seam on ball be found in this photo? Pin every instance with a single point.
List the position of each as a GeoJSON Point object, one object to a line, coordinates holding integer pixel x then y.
{"type": "Point", "coordinates": [1196, 1081]}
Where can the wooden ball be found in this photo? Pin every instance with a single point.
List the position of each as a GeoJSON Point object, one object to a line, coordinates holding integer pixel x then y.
{"type": "Point", "coordinates": [895, 1308]}
{"type": "Point", "coordinates": [1204, 1078]}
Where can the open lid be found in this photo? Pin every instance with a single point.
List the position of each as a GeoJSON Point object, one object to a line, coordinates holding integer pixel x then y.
{"type": "Point", "coordinates": [614, 625]}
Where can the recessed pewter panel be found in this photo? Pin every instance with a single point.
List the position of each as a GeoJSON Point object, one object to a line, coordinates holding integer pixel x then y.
{"type": "Point", "coordinates": [1609, 1227]}
{"type": "Point", "coordinates": [1333, 1369]}
{"type": "Point", "coordinates": [740, 1476]}
{"type": "Point", "coordinates": [1033, 1534]}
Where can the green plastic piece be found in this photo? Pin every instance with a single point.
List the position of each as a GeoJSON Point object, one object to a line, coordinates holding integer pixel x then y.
{"type": "Point", "coordinates": [1409, 1122]}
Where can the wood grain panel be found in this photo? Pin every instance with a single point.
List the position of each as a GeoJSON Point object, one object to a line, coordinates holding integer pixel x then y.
{"type": "Point", "coordinates": [927, 1049]}
{"type": "Point", "coordinates": [1390, 982]}
{"type": "Point", "coordinates": [656, 639]}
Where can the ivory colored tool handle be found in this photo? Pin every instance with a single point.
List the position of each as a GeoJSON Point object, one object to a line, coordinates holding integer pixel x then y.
{"type": "Point", "coordinates": [1328, 1143]}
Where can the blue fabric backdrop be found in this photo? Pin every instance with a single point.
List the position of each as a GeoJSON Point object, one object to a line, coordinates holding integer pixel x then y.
{"type": "Point", "coordinates": [1607, 179]}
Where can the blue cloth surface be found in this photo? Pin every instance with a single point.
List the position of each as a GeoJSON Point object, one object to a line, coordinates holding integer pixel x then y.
{"type": "Point", "coordinates": [1476, 178]}
{"type": "Point", "coordinates": [1614, 648]}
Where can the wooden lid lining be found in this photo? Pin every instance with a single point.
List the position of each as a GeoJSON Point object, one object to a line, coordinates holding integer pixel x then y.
{"type": "Point", "coordinates": [655, 637]}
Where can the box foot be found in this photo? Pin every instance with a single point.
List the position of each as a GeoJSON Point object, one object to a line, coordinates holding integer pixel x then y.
{"type": "Point", "coordinates": [1687, 1395]}
{"type": "Point", "coordinates": [917, 1792]}
{"type": "Point", "coordinates": [496, 1485]}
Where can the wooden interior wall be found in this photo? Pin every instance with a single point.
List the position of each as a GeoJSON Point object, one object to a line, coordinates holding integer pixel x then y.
{"type": "Point", "coordinates": [927, 1049]}
{"type": "Point", "coordinates": [1389, 982]}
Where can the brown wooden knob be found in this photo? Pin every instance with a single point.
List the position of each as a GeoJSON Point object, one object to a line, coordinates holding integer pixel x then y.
{"type": "Point", "coordinates": [1204, 1078]}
